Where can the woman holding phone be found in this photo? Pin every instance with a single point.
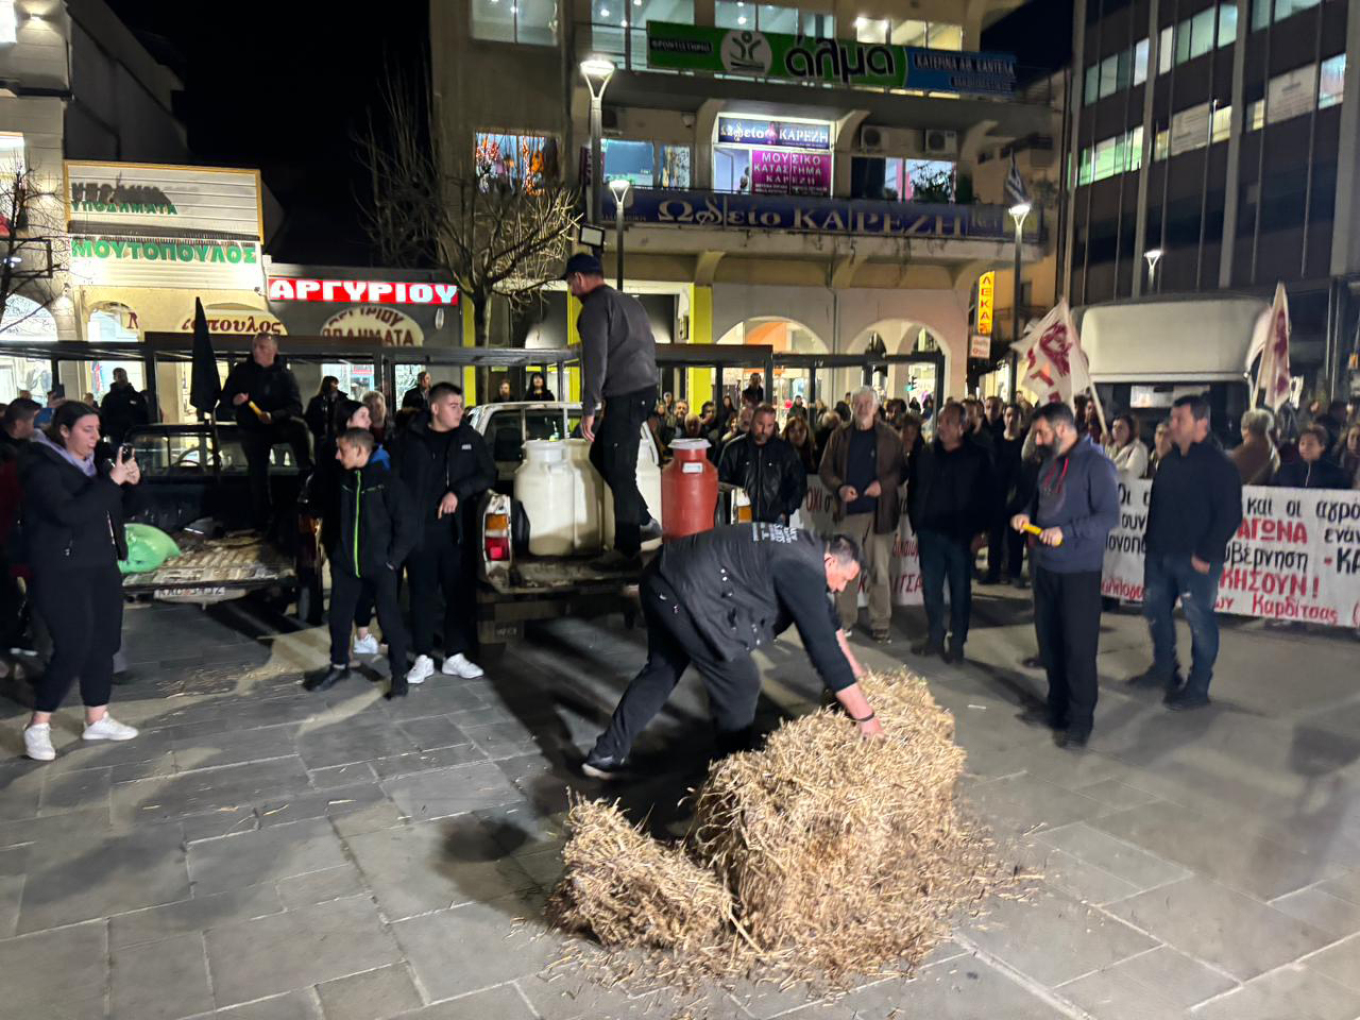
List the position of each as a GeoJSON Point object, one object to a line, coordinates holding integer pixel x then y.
{"type": "Point", "coordinates": [73, 513]}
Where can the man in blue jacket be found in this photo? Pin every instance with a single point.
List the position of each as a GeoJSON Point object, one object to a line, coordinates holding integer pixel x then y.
{"type": "Point", "coordinates": [1195, 510]}
{"type": "Point", "coordinates": [1076, 503]}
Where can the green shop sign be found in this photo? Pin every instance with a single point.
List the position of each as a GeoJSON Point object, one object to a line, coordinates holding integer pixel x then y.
{"type": "Point", "coordinates": [139, 249]}
{"type": "Point", "coordinates": [836, 61]}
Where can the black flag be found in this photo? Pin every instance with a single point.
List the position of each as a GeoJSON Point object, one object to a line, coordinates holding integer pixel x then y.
{"type": "Point", "coordinates": [205, 388]}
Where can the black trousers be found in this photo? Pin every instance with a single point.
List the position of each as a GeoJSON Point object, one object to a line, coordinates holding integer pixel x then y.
{"type": "Point", "coordinates": [1005, 541]}
{"type": "Point", "coordinates": [379, 590]}
{"type": "Point", "coordinates": [437, 566]}
{"type": "Point", "coordinates": [673, 644]}
{"type": "Point", "coordinates": [945, 558]}
{"type": "Point", "coordinates": [1067, 623]}
{"type": "Point", "coordinates": [83, 612]}
{"type": "Point", "coordinates": [258, 443]}
{"type": "Point", "coordinates": [615, 455]}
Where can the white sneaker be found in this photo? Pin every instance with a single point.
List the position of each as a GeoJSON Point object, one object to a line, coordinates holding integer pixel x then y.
{"type": "Point", "coordinates": [421, 671]}
{"type": "Point", "coordinates": [460, 665]}
{"type": "Point", "coordinates": [109, 728]}
{"type": "Point", "coordinates": [38, 742]}
{"type": "Point", "coordinates": [366, 645]}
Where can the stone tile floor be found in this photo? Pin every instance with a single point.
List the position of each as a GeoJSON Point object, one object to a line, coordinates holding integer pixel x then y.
{"type": "Point", "coordinates": [260, 853]}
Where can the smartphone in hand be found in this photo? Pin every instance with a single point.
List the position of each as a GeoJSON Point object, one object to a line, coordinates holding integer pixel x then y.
{"type": "Point", "coordinates": [126, 452]}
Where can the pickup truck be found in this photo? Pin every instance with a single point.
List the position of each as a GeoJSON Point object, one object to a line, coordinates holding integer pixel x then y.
{"type": "Point", "coordinates": [515, 587]}
{"type": "Point", "coordinates": [195, 487]}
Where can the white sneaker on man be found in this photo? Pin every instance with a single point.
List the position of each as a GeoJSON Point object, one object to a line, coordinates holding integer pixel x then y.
{"type": "Point", "coordinates": [366, 645]}
{"type": "Point", "coordinates": [38, 742]}
{"type": "Point", "coordinates": [421, 671]}
{"type": "Point", "coordinates": [461, 666]}
{"type": "Point", "coordinates": [109, 728]}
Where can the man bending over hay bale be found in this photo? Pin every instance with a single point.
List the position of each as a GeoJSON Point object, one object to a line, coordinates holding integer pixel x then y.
{"type": "Point", "coordinates": [714, 598]}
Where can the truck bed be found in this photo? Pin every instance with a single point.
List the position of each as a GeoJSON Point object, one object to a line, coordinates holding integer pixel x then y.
{"type": "Point", "coordinates": [548, 575]}
{"type": "Point", "coordinates": [214, 570]}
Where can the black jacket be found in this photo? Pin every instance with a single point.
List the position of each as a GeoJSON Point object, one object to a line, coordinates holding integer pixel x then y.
{"type": "Point", "coordinates": [320, 416]}
{"type": "Point", "coordinates": [772, 476]}
{"type": "Point", "coordinates": [950, 492]}
{"type": "Point", "coordinates": [1321, 474]}
{"type": "Point", "coordinates": [618, 351]}
{"type": "Point", "coordinates": [71, 521]}
{"type": "Point", "coordinates": [123, 408]}
{"type": "Point", "coordinates": [467, 472]}
{"type": "Point", "coordinates": [273, 389]}
{"type": "Point", "coordinates": [744, 584]}
{"type": "Point", "coordinates": [1196, 504]}
{"type": "Point", "coordinates": [417, 398]}
{"type": "Point", "coordinates": [377, 523]}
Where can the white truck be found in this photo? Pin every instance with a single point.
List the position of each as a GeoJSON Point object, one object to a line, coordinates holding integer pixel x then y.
{"type": "Point", "coordinates": [1145, 353]}
{"type": "Point", "coordinates": [515, 586]}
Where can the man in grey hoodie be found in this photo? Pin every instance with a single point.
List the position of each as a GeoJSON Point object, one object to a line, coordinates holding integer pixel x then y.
{"type": "Point", "coordinates": [618, 370]}
{"type": "Point", "coordinates": [1076, 504]}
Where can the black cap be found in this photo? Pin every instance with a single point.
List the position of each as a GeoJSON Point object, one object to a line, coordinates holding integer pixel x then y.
{"type": "Point", "coordinates": [585, 263]}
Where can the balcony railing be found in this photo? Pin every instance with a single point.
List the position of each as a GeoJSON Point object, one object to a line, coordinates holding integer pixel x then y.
{"type": "Point", "coordinates": [713, 210]}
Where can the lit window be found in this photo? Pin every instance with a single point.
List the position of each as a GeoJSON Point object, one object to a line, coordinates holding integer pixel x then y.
{"type": "Point", "coordinates": [1165, 49]}
{"type": "Point", "coordinates": [9, 25]}
{"type": "Point", "coordinates": [911, 33]}
{"type": "Point", "coordinates": [1161, 145]}
{"type": "Point", "coordinates": [1140, 62]}
{"type": "Point", "coordinates": [642, 11]}
{"type": "Point", "coordinates": [1190, 129]}
{"type": "Point", "coordinates": [608, 28]}
{"type": "Point", "coordinates": [513, 161]}
{"type": "Point", "coordinates": [1227, 24]}
{"type": "Point", "coordinates": [631, 160]}
{"type": "Point", "coordinates": [777, 19]}
{"type": "Point", "coordinates": [1092, 90]}
{"type": "Point", "coordinates": [531, 22]}
{"type": "Point", "coordinates": [1256, 115]}
{"type": "Point", "coordinates": [1292, 94]}
{"type": "Point", "coordinates": [1136, 148]}
{"type": "Point", "coordinates": [1109, 76]}
{"type": "Point", "coordinates": [945, 36]}
{"type": "Point", "coordinates": [1202, 28]}
{"type": "Point", "coordinates": [675, 166]}
{"type": "Point", "coordinates": [1332, 81]}
{"type": "Point", "coordinates": [872, 30]}
{"type": "Point", "coordinates": [817, 26]}
{"type": "Point", "coordinates": [11, 155]}
{"type": "Point", "coordinates": [1104, 160]}
{"type": "Point", "coordinates": [1222, 124]}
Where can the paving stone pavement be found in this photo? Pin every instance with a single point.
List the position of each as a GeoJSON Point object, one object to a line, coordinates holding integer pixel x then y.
{"type": "Point", "coordinates": [260, 853]}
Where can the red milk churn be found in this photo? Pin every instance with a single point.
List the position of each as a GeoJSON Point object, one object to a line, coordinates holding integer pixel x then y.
{"type": "Point", "coordinates": [689, 490]}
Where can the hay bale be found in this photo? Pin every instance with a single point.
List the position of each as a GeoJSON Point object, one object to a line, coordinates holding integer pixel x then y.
{"type": "Point", "coordinates": [821, 857]}
{"type": "Point", "coordinates": [844, 854]}
{"type": "Point", "coordinates": [627, 889]}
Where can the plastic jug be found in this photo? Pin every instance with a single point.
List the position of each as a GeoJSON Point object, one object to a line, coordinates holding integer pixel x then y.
{"type": "Point", "coordinates": [689, 490]}
{"type": "Point", "coordinates": [544, 488]}
{"type": "Point", "coordinates": [588, 495]}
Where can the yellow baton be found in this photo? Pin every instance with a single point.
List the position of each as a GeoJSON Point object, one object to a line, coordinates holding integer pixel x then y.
{"type": "Point", "coordinates": [1036, 531]}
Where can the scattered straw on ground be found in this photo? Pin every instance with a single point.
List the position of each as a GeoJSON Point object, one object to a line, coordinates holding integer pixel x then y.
{"type": "Point", "coordinates": [821, 858]}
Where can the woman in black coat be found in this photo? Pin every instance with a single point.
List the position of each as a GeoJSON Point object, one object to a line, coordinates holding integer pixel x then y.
{"type": "Point", "coordinates": [73, 513]}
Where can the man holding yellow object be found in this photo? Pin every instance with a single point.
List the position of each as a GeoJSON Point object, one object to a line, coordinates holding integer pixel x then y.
{"type": "Point", "coordinates": [1074, 508]}
{"type": "Point", "coordinates": [264, 397]}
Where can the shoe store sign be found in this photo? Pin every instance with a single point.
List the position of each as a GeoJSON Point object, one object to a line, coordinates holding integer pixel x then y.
{"type": "Point", "coordinates": [1296, 555]}
{"type": "Point", "coordinates": [831, 61]}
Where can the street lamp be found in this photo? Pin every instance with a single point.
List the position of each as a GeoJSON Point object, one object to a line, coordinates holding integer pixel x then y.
{"type": "Point", "coordinates": [619, 187]}
{"type": "Point", "coordinates": [596, 71]}
{"type": "Point", "coordinates": [1019, 213]}
{"type": "Point", "coordinates": [1153, 255]}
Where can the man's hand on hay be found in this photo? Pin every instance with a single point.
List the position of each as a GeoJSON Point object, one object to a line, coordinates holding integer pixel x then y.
{"type": "Point", "coordinates": [857, 706]}
{"type": "Point", "coordinates": [871, 729]}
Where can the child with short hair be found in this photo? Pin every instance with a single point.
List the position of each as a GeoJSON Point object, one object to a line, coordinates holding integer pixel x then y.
{"type": "Point", "coordinates": [377, 531]}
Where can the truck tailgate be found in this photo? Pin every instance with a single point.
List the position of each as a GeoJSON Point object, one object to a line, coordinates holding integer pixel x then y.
{"type": "Point", "coordinates": [214, 570]}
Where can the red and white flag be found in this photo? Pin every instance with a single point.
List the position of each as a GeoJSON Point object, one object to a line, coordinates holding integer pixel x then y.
{"type": "Point", "coordinates": [1271, 341]}
{"type": "Point", "coordinates": [1052, 364]}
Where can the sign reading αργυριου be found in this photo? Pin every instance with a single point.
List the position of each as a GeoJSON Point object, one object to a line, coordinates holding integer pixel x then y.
{"type": "Point", "coordinates": [842, 61]}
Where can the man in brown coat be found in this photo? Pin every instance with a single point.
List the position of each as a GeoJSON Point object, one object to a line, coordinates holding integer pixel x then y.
{"type": "Point", "coordinates": [862, 465]}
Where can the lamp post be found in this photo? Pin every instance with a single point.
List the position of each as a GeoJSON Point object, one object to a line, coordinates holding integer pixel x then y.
{"type": "Point", "coordinates": [619, 188]}
{"type": "Point", "coordinates": [596, 71]}
{"type": "Point", "coordinates": [1153, 255]}
{"type": "Point", "coordinates": [1019, 213]}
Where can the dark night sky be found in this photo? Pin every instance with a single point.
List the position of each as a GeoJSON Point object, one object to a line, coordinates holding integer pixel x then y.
{"type": "Point", "coordinates": [280, 86]}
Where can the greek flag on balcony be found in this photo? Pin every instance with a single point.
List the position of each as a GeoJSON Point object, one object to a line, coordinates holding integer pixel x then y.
{"type": "Point", "coordinates": [1015, 186]}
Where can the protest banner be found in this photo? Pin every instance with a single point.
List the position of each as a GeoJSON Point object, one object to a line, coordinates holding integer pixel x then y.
{"type": "Point", "coordinates": [1295, 557]}
{"type": "Point", "coordinates": [818, 514]}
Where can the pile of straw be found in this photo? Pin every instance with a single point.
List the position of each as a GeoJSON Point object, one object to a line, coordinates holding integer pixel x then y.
{"type": "Point", "coordinates": [821, 857]}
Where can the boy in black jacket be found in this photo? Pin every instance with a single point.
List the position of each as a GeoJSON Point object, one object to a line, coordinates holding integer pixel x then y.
{"type": "Point", "coordinates": [377, 532]}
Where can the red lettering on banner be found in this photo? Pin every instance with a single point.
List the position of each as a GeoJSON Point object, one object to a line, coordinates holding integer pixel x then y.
{"type": "Point", "coordinates": [1269, 529]}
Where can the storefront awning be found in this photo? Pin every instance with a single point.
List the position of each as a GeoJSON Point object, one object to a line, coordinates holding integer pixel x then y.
{"type": "Point", "coordinates": [167, 310]}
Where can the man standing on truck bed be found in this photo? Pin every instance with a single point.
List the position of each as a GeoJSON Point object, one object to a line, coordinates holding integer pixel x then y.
{"type": "Point", "coordinates": [268, 408]}
{"type": "Point", "coordinates": [446, 466]}
{"type": "Point", "coordinates": [618, 362]}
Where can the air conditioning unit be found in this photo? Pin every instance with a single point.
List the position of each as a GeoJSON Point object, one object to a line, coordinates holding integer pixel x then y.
{"type": "Point", "coordinates": [893, 141]}
{"type": "Point", "coordinates": [935, 142]}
